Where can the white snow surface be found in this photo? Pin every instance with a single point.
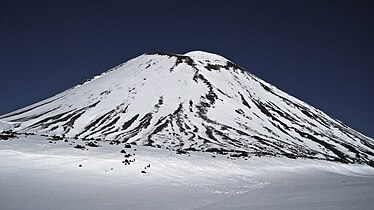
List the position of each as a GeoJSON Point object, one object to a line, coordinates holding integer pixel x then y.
{"type": "Point", "coordinates": [36, 174]}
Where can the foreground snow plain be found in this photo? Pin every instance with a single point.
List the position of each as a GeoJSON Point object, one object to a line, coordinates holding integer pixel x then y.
{"type": "Point", "coordinates": [36, 174]}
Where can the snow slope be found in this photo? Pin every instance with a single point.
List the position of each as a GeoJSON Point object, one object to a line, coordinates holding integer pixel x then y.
{"type": "Point", "coordinates": [193, 102]}
{"type": "Point", "coordinates": [36, 174]}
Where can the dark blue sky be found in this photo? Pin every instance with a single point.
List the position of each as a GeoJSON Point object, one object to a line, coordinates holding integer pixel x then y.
{"type": "Point", "coordinates": [322, 52]}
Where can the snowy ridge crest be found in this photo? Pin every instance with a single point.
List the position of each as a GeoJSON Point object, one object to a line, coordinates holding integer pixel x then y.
{"type": "Point", "coordinates": [193, 102]}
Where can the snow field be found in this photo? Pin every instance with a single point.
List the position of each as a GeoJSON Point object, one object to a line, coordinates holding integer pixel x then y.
{"type": "Point", "coordinates": [36, 174]}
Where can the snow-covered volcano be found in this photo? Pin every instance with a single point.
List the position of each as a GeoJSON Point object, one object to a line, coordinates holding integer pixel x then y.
{"type": "Point", "coordinates": [197, 101]}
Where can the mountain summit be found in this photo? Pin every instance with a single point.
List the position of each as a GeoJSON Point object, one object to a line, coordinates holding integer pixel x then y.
{"type": "Point", "coordinates": [197, 101]}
